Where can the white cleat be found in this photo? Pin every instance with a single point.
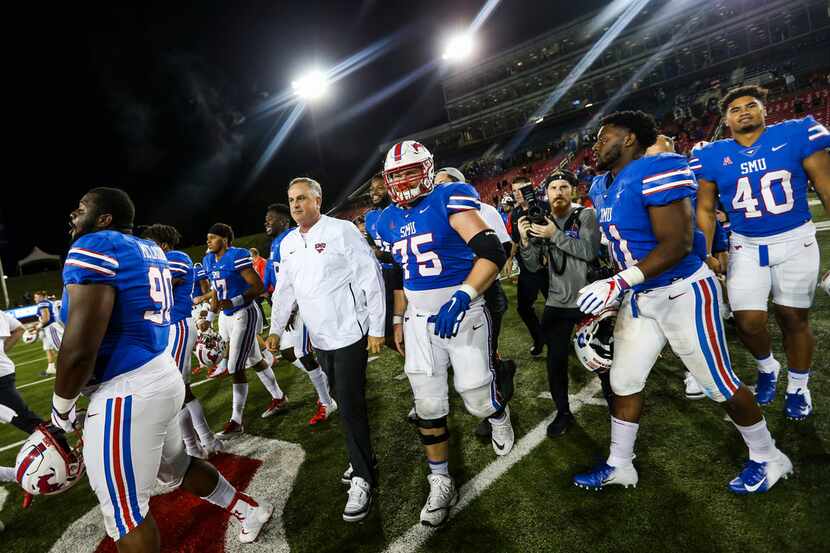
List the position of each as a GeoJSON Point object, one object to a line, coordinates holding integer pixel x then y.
{"type": "Point", "coordinates": [604, 475]}
{"type": "Point", "coordinates": [502, 435]}
{"type": "Point", "coordinates": [760, 477]}
{"type": "Point", "coordinates": [693, 389]}
{"type": "Point", "coordinates": [442, 497]}
{"type": "Point", "coordinates": [253, 523]}
{"type": "Point", "coordinates": [359, 501]}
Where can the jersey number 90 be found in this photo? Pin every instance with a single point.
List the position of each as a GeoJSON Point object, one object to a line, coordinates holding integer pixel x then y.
{"type": "Point", "coordinates": [161, 292]}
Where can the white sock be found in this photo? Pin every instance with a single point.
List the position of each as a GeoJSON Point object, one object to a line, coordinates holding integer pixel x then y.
{"type": "Point", "coordinates": [623, 437]}
{"type": "Point", "coordinates": [200, 424]}
{"type": "Point", "coordinates": [186, 426]}
{"type": "Point", "coordinates": [439, 467]}
{"type": "Point", "coordinates": [797, 381]}
{"type": "Point", "coordinates": [268, 357]}
{"type": "Point", "coordinates": [270, 382]}
{"type": "Point", "coordinates": [240, 396]}
{"type": "Point", "coordinates": [50, 367]}
{"type": "Point", "coordinates": [768, 364]}
{"type": "Point", "coordinates": [759, 441]}
{"type": "Point", "coordinates": [228, 498]}
{"type": "Point", "coordinates": [7, 474]}
{"type": "Point", "coordinates": [321, 383]}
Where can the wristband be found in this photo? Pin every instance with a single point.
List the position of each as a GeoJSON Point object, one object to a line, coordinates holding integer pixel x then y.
{"type": "Point", "coordinates": [238, 300]}
{"type": "Point", "coordinates": [469, 290]}
{"type": "Point", "coordinates": [397, 319]}
{"type": "Point", "coordinates": [63, 405]}
{"type": "Point", "coordinates": [210, 316]}
{"type": "Point", "coordinates": [632, 276]}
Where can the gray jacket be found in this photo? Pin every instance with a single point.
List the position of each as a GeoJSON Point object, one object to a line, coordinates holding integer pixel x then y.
{"type": "Point", "coordinates": [567, 254]}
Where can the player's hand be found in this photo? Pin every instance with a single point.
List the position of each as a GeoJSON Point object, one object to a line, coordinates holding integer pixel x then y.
{"type": "Point", "coordinates": [448, 320]}
{"type": "Point", "coordinates": [64, 421]}
{"type": "Point", "coordinates": [224, 304]}
{"type": "Point", "coordinates": [600, 294]}
{"type": "Point", "coordinates": [714, 263]}
{"type": "Point", "coordinates": [544, 231]}
{"type": "Point", "coordinates": [375, 344]}
{"type": "Point", "coordinates": [273, 343]}
{"type": "Point", "coordinates": [397, 331]}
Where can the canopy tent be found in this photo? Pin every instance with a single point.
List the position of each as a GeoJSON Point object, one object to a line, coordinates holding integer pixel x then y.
{"type": "Point", "coordinates": [37, 256]}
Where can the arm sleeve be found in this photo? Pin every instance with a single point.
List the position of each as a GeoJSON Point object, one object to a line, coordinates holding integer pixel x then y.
{"type": "Point", "coordinates": [369, 278]}
{"type": "Point", "coordinates": [701, 163]}
{"type": "Point", "coordinates": [667, 180]}
{"type": "Point", "coordinates": [91, 260]}
{"type": "Point", "coordinates": [720, 241]}
{"type": "Point", "coordinates": [461, 197]}
{"type": "Point", "coordinates": [586, 245]}
{"type": "Point", "coordinates": [242, 260]}
{"type": "Point", "coordinates": [180, 264]}
{"type": "Point", "coordinates": [283, 298]}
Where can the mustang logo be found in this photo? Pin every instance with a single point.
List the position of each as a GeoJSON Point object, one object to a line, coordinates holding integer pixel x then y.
{"type": "Point", "coordinates": [320, 246]}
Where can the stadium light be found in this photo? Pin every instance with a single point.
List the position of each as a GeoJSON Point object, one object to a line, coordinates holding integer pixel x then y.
{"type": "Point", "coordinates": [459, 47]}
{"type": "Point", "coordinates": [312, 85]}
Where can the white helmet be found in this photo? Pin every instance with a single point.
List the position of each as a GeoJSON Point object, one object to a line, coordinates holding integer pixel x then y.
{"type": "Point", "coordinates": [408, 155]}
{"type": "Point", "coordinates": [29, 336]}
{"type": "Point", "coordinates": [209, 349]}
{"type": "Point", "coordinates": [594, 340]}
{"type": "Point", "coordinates": [825, 282]}
{"type": "Point", "coordinates": [46, 465]}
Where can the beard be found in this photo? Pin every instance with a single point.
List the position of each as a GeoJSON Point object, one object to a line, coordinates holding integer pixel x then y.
{"type": "Point", "coordinates": [613, 155]}
{"type": "Point", "coordinates": [748, 127]}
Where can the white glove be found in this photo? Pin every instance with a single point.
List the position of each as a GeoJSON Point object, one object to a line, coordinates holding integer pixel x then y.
{"type": "Point", "coordinates": [64, 421]}
{"type": "Point", "coordinates": [598, 295]}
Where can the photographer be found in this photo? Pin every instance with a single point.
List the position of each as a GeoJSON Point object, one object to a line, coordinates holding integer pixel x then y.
{"type": "Point", "coordinates": [569, 240]}
{"type": "Point", "coordinates": [531, 281]}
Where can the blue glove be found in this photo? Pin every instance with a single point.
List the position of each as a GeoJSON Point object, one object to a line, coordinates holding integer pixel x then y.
{"type": "Point", "coordinates": [448, 320]}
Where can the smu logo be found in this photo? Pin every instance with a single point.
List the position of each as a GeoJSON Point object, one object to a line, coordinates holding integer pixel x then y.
{"type": "Point", "coordinates": [320, 246]}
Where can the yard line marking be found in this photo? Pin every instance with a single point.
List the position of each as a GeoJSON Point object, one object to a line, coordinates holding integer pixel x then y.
{"type": "Point", "coordinates": [12, 446]}
{"type": "Point", "coordinates": [416, 536]}
{"type": "Point", "coordinates": [598, 401]}
{"type": "Point", "coordinates": [35, 382]}
{"type": "Point", "coordinates": [29, 362]}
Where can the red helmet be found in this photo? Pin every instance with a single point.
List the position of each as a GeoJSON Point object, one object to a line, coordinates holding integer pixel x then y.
{"type": "Point", "coordinates": [400, 158]}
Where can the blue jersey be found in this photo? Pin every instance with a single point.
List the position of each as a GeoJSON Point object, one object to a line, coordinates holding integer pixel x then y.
{"type": "Point", "coordinates": [139, 272]}
{"type": "Point", "coordinates": [423, 243]}
{"type": "Point", "coordinates": [181, 267]}
{"type": "Point", "coordinates": [763, 187]}
{"type": "Point", "coordinates": [272, 268]}
{"type": "Point", "coordinates": [622, 207]}
{"type": "Point", "coordinates": [52, 309]}
{"type": "Point", "coordinates": [371, 218]}
{"type": "Point", "coordinates": [225, 277]}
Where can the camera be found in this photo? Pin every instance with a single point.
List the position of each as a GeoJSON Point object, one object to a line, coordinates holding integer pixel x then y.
{"type": "Point", "coordinates": [535, 209]}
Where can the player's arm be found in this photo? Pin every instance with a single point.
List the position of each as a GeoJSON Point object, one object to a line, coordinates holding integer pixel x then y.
{"type": "Point", "coordinates": [707, 199]}
{"type": "Point", "coordinates": [253, 291]}
{"type": "Point", "coordinates": [490, 256]}
{"type": "Point", "coordinates": [15, 330]}
{"type": "Point", "coordinates": [672, 227]}
{"type": "Point", "coordinates": [43, 317]}
{"type": "Point", "coordinates": [817, 167]}
{"type": "Point", "coordinates": [399, 304]}
{"type": "Point", "coordinates": [88, 320]}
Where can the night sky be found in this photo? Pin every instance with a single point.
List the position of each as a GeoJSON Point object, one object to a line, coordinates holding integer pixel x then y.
{"type": "Point", "coordinates": [147, 97]}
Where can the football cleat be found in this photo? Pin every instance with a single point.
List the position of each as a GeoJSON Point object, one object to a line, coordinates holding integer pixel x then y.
{"type": "Point", "coordinates": [765, 387]}
{"type": "Point", "coordinates": [214, 446]}
{"type": "Point", "coordinates": [693, 389]}
{"type": "Point", "coordinates": [230, 430]}
{"type": "Point", "coordinates": [760, 477]}
{"type": "Point", "coordinates": [798, 406]}
{"type": "Point", "coordinates": [442, 497]}
{"type": "Point", "coordinates": [323, 413]}
{"type": "Point", "coordinates": [536, 350]}
{"type": "Point", "coordinates": [604, 475]}
{"type": "Point", "coordinates": [275, 406]}
{"type": "Point", "coordinates": [502, 436]}
{"type": "Point", "coordinates": [359, 501]}
{"type": "Point", "coordinates": [51, 370]}
{"type": "Point", "coordinates": [197, 451]}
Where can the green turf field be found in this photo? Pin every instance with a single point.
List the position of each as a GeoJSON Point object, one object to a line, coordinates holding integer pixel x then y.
{"type": "Point", "coordinates": [686, 453]}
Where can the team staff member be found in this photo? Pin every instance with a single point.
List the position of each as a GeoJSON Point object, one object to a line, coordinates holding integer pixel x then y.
{"type": "Point", "coordinates": [13, 409]}
{"type": "Point", "coordinates": [531, 283]}
{"type": "Point", "coordinates": [329, 270]}
{"type": "Point", "coordinates": [570, 242]}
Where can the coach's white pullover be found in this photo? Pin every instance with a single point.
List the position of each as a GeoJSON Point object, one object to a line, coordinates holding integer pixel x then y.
{"type": "Point", "coordinates": [332, 274]}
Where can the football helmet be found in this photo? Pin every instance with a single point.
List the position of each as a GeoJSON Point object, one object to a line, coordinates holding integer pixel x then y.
{"type": "Point", "coordinates": [29, 336]}
{"type": "Point", "coordinates": [825, 282]}
{"type": "Point", "coordinates": [594, 340]}
{"type": "Point", "coordinates": [209, 348]}
{"type": "Point", "coordinates": [46, 465]}
{"type": "Point", "coordinates": [401, 158]}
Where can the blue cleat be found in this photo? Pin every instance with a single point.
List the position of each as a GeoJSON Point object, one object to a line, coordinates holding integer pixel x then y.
{"type": "Point", "coordinates": [765, 387]}
{"type": "Point", "coordinates": [604, 475]}
{"type": "Point", "coordinates": [760, 477]}
{"type": "Point", "coordinates": [799, 405]}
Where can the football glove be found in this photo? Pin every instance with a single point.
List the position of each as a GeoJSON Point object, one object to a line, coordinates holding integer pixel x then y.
{"type": "Point", "coordinates": [600, 294]}
{"type": "Point", "coordinates": [64, 421]}
{"type": "Point", "coordinates": [448, 320]}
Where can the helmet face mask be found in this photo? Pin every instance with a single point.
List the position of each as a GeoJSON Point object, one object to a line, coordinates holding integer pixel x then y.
{"type": "Point", "coordinates": [594, 340]}
{"type": "Point", "coordinates": [408, 172]}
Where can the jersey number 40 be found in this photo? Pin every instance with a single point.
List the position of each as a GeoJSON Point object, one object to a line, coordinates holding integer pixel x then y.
{"type": "Point", "coordinates": [743, 199]}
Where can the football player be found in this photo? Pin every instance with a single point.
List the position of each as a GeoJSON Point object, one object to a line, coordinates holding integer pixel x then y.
{"type": "Point", "coordinates": [668, 294]}
{"type": "Point", "coordinates": [117, 299]}
{"type": "Point", "coordinates": [295, 342]}
{"type": "Point", "coordinates": [449, 257]}
{"type": "Point", "coordinates": [49, 323]}
{"type": "Point", "coordinates": [201, 443]}
{"type": "Point", "coordinates": [380, 199]}
{"type": "Point", "coordinates": [760, 176]}
{"type": "Point", "coordinates": [236, 285]}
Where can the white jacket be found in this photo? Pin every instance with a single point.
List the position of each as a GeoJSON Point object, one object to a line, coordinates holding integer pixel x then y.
{"type": "Point", "coordinates": [334, 277]}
